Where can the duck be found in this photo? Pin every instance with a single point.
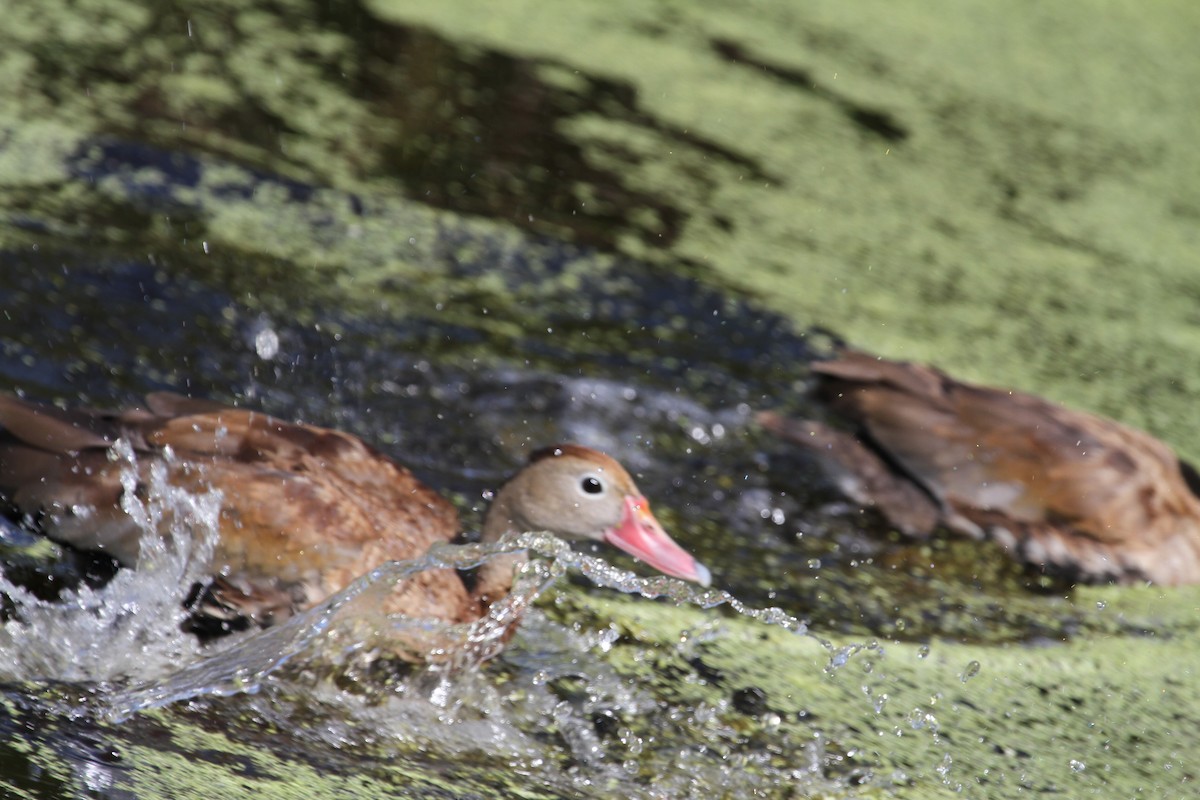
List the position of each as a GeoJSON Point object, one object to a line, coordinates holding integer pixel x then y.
{"type": "Point", "coordinates": [304, 510]}
{"type": "Point", "coordinates": [1071, 493]}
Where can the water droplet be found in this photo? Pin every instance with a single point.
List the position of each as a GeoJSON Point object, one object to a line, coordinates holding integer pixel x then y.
{"type": "Point", "coordinates": [918, 719]}
{"type": "Point", "coordinates": [970, 672]}
{"type": "Point", "coordinates": [1078, 766]}
{"type": "Point", "coordinates": [266, 344]}
{"type": "Point", "coordinates": [923, 651]}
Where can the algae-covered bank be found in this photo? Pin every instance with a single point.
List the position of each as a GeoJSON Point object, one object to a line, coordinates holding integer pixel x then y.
{"type": "Point", "coordinates": [462, 229]}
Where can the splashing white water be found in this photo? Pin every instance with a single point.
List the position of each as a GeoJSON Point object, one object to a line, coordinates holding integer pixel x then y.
{"type": "Point", "coordinates": [243, 666]}
{"type": "Point", "coordinates": [448, 650]}
{"type": "Point", "coordinates": [130, 629]}
{"type": "Point", "coordinates": [130, 626]}
{"type": "Point", "coordinates": [556, 681]}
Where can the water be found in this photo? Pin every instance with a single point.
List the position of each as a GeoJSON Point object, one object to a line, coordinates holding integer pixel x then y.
{"type": "Point", "coordinates": [130, 627]}
{"type": "Point", "coordinates": [590, 698]}
{"type": "Point", "coordinates": [121, 644]}
{"type": "Point", "coordinates": [264, 255]}
{"type": "Point", "coordinates": [453, 708]}
{"type": "Point", "coordinates": [451, 650]}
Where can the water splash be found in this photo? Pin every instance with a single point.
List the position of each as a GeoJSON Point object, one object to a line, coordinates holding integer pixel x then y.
{"type": "Point", "coordinates": [447, 707]}
{"type": "Point", "coordinates": [447, 650]}
{"type": "Point", "coordinates": [130, 626]}
{"type": "Point", "coordinates": [243, 666]}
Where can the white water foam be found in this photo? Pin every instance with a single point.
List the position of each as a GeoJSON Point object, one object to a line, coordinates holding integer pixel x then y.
{"type": "Point", "coordinates": [131, 625]}
{"type": "Point", "coordinates": [452, 649]}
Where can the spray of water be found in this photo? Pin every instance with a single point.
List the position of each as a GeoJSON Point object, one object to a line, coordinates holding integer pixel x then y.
{"type": "Point", "coordinates": [129, 631]}
{"type": "Point", "coordinates": [130, 626]}
{"type": "Point", "coordinates": [447, 650]}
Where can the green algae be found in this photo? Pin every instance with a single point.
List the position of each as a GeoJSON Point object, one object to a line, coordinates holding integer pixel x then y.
{"type": "Point", "coordinates": [831, 717]}
{"type": "Point", "coordinates": [176, 753]}
{"type": "Point", "coordinates": [1085, 717]}
{"type": "Point", "coordinates": [854, 166]}
{"type": "Point", "coordinates": [999, 190]}
{"type": "Point", "coordinates": [209, 762]}
{"type": "Point", "coordinates": [1031, 227]}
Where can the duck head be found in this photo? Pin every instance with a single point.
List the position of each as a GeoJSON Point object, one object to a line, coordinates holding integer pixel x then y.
{"type": "Point", "coordinates": [579, 493]}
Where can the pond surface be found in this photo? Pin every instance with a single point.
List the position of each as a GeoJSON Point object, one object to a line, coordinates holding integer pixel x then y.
{"type": "Point", "coordinates": [411, 241]}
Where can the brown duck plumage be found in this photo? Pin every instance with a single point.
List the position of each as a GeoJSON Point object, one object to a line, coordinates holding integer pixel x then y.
{"type": "Point", "coordinates": [1056, 487]}
{"type": "Point", "coordinates": [304, 509]}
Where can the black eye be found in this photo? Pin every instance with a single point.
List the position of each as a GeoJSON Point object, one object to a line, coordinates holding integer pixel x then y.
{"type": "Point", "coordinates": [591, 485]}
